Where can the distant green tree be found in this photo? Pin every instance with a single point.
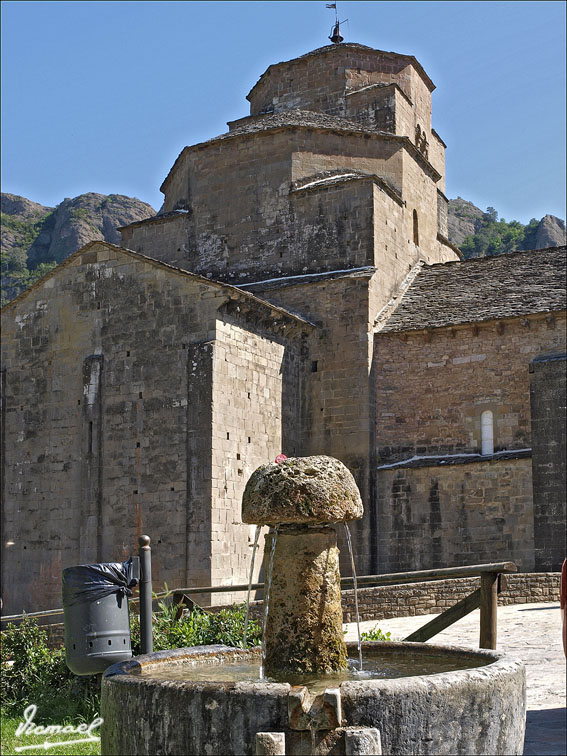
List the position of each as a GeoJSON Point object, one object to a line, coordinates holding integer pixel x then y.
{"type": "Point", "coordinates": [530, 232]}
{"type": "Point", "coordinates": [17, 279]}
{"type": "Point", "coordinates": [495, 237]}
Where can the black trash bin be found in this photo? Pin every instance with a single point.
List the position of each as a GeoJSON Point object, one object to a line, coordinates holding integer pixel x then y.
{"type": "Point", "coordinates": [97, 623]}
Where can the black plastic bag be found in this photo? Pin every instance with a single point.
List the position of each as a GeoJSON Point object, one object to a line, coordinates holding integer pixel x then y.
{"type": "Point", "coordinates": [92, 582]}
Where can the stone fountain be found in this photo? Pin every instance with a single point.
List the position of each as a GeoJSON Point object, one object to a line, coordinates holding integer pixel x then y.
{"type": "Point", "coordinates": [300, 693]}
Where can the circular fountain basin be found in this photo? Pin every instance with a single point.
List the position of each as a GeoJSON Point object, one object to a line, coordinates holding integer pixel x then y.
{"type": "Point", "coordinates": [154, 705]}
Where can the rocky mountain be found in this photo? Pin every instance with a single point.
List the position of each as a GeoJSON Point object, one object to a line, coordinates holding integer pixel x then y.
{"type": "Point", "coordinates": [550, 232]}
{"type": "Point", "coordinates": [35, 238]}
{"type": "Point", "coordinates": [480, 234]}
{"type": "Point", "coordinates": [21, 220]}
{"type": "Point", "coordinates": [464, 219]}
{"type": "Point", "coordinates": [85, 218]}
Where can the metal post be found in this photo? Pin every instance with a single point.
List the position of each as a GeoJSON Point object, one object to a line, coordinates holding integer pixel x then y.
{"type": "Point", "coordinates": [488, 609]}
{"type": "Point", "coordinates": [146, 635]}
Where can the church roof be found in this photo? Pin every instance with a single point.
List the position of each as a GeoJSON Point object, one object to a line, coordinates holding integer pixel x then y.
{"type": "Point", "coordinates": [308, 119]}
{"type": "Point", "coordinates": [487, 288]}
{"type": "Point", "coordinates": [348, 47]}
{"type": "Point", "coordinates": [297, 117]}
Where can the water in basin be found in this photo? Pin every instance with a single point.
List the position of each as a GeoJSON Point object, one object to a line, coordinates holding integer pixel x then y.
{"type": "Point", "coordinates": [377, 665]}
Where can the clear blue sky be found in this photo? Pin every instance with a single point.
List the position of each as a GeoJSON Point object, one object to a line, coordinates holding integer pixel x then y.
{"type": "Point", "coordinates": [102, 96]}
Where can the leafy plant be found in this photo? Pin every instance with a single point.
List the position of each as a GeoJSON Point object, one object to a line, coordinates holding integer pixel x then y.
{"type": "Point", "coordinates": [375, 635]}
{"type": "Point", "coordinates": [196, 628]}
{"type": "Point", "coordinates": [497, 237]}
{"type": "Point", "coordinates": [17, 279]}
{"type": "Point", "coordinates": [34, 673]}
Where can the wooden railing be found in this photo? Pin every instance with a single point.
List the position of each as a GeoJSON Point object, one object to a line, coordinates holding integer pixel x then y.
{"type": "Point", "coordinates": [492, 581]}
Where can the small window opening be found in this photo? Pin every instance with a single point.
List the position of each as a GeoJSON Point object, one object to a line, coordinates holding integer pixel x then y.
{"type": "Point", "coordinates": [110, 643]}
{"type": "Point", "coordinates": [238, 456]}
{"type": "Point", "coordinates": [137, 444]}
{"type": "Point", "coordinates": [249, 395]}
{"type": "Point", "coordinates": [98, 305]}
{"type": "Point", "coordinates": [172, 488]}
{"type": "Point", "coordinates": [314, 366]}
{"type": "Point", "coordinates": [127, 354]}
{"type": "Point", "coordinates": [90, 644]}
{"type": "Point", "coordinates": [227, 436]}
{"type": "Point", "coordinates": [415, 229]}
{"type": "Point", "coordinates": [79, 402]}
{"type": "Point", "coordinates": [135, 490]}
{"type": "Point", "coordinates": [487, 432]}
{"type": "Point", "coordinates": [249, 440]}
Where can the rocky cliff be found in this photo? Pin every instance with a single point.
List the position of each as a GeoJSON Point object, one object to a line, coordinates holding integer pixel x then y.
{"type": "Point", "coordinates": [464, 219]}
{"type": "Point", "coordinates": [77, 221]}
{"type": "Point", "coordinates": [51, 234]}
{"type": "Point", "coordinates": [550, 232]}
{"type": "Point", "coordinates": [480, 234]}
{"type": "Point", "coordinates": [35, 238]}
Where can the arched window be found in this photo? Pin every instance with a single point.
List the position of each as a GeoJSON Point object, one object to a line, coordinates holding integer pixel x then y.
{"type": "Point", "coordinates": [415, 229]}
{"type": "Point", "coordinates": [487, 432]}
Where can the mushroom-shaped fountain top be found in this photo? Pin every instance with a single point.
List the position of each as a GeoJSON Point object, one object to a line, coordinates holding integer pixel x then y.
{"type": "Point", "coordinates": [301, 490]}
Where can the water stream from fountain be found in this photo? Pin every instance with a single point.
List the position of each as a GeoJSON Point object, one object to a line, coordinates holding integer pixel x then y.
{"type": "Point", "coordinates": [268, 585]}
{"type": "Point", "coordinates": [256, 537]}
{"type": "Point", "coordinates": [349, 542]}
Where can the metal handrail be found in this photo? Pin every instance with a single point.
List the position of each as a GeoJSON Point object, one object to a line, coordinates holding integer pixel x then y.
{"type": "Point", "coordinates": [376, 580]}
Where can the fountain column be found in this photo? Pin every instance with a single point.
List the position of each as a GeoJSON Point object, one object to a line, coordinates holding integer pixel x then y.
{"type": "Point", "coordinates": [303, 497]}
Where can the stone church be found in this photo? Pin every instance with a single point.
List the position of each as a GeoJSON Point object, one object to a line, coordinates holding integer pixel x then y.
{"type": "Point", "coordinates": [297, 293]}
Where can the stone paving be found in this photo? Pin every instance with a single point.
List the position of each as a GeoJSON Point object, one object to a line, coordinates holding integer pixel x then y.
{"type": "Point", "coordinates": [530, 632]}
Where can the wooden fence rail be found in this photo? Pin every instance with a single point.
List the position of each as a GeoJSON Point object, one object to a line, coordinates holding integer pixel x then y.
{"type": "Point", "coordinates": [492, 581]}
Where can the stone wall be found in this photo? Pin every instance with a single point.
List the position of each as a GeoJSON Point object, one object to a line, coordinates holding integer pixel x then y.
{"type": "Point", "coordinates": [249, 216]}
{"type": "Point", "coordinates": [455, 514]}
{"type": "Point", "coordinates": [319, 82]}
{"type": "Point", "coordinates": [434, 597]}
{"type": "Point", "coordinates": [337, 389]}
{"type": "Point", "coordinates": [256, 402]}
{"type": "Point", "coordinates": [88, 394]}
{"type": "Point", "coordinates": [244, 223]}
{"type": "Point", "coordinates": [432, 387]}
{"type": "Point", "coordinates": [115, 394]}
{"type": "Point", "coordinates": [548, 400]}
{"type": "Point", "coordinates": [431, 390]}
{"type": "Point", "coordinates": [442, 214]}
{"type": "Point", "coordinates": [383, 602]}
{"type": "Point", "coordinates": [164, 238]}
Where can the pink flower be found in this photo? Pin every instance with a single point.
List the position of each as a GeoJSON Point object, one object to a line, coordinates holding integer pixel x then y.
{"type": "Point", "coordinates": [280, 458]}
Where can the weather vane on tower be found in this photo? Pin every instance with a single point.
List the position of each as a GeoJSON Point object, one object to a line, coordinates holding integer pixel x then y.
{"type": "Point", "coordinates": [335, 35]}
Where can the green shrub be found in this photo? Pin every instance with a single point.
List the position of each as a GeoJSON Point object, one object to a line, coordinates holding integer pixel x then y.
{"type": "Point", "coordinates": [34, 673]}
{"type": "Point", "coordinates": [375, 635]}
{"type": "Point", "coordinates": [197, 628]}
